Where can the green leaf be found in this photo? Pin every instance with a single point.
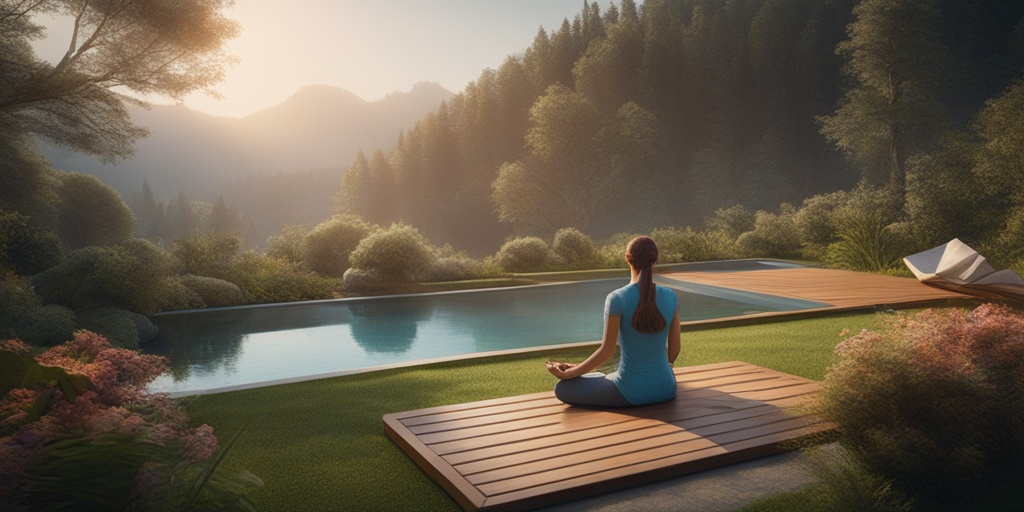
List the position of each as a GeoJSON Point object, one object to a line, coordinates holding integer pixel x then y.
{"type": "Point", "coordinates": [41, 404]}
{"type": "Point", "coordinates": [33, 374]}
{"type": "Point", "coordinates": [13, 367]}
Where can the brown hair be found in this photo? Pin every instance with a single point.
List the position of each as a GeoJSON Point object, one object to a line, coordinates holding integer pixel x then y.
{"type": "Point", "coordinates": [642, 253]}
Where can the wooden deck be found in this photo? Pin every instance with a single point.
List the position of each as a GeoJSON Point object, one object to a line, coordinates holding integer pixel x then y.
{"type": "Point", "coordinates": [528, 451]}
{"type": "Point", "coordinates": [840, 289]}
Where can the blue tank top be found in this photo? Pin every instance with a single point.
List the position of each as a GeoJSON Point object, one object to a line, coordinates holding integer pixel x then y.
{"type": "Point", "coordinates": [644, 375]}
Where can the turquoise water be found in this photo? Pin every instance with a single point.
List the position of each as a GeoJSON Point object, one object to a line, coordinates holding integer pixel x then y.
{"type": "Point", "coordinates": [232, 347]}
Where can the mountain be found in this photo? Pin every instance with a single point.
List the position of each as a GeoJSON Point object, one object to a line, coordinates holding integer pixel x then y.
{"type": "Point", "coordinates": [319, 127]}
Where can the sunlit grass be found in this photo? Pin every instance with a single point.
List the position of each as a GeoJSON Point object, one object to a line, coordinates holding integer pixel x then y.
{"type": "Point", "coordinates": [320, 445]}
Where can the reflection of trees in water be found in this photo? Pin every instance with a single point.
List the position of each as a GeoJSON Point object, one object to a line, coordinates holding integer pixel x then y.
{"type": "Point", "coordinates": [195, 346]}
{"type": "Point", "coordinates": [208, 341]}
{"type": "Point", "coordinates": [389, 325]}
{"type": "Point", "coordinates": [498, 320]}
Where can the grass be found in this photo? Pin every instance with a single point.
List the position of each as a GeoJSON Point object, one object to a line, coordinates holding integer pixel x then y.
{"type": "Point", "coordinates": [320, 445]}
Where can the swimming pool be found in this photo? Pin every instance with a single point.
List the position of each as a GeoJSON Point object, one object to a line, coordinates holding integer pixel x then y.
{"type": "Point", "coordinates": [236, 347]}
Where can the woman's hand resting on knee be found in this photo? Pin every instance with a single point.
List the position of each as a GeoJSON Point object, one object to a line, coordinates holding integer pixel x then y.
{"type": "Point", "coordinates": [561, 370]}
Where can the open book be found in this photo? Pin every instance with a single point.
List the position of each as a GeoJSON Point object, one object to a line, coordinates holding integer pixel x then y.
{"type": "Point", "coordinates": [956, 266]}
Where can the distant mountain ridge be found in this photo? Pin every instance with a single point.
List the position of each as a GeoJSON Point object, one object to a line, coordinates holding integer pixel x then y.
{"type": "Point", "coordinates": [319, 127]}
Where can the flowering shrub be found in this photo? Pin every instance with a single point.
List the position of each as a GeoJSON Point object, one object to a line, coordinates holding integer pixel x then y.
{"type": "Point", "coordinates": [53, 456]}
{"type": "Point", "coordinates": [936, 402]}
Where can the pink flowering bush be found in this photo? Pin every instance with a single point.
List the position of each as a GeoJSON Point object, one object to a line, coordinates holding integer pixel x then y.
{"type": "Point", "coordinates": [935, 402]}
{"type": "Point", "coordinates": [134, 445]}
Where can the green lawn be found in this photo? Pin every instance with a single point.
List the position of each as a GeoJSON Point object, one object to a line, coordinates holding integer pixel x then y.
{"type": "Point", "coordinates": [320, 445]}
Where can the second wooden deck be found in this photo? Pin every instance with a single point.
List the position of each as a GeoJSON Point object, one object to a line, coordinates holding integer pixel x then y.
{"type": "Point", "coordinates": [839, 289]}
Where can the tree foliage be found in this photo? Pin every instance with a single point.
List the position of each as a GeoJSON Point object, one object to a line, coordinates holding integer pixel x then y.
{"type": "Point", "coordinates": [141, 47]}
{"type": "Point", "coordinates": [91, 213]}
{"type": "Point", "coordinates": [897, 59]}
{"type": "Point", "coordinates": [632, 117]}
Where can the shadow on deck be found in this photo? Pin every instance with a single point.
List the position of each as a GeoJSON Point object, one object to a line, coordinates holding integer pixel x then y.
{"type": "Point", "coordinates": [529, 451]}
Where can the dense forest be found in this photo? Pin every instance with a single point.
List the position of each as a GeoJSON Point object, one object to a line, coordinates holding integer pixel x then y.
{"type": "Point", "coordinates": [849, 133]}
{"type": "Point", "coordinates": [637, 117]}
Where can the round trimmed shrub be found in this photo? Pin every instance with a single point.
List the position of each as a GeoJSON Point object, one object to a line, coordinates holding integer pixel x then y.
{"type": "Point", "coordinates": [125, 276]}
{"type": "Point", "coordinates": [23, 316]}
{"type": "Point", "coordinates": [91, 213]}
{"type": "Point", "coordinates": [176, 296]}
{"type": "Point", "coordinates": [122, 327]}
{"type": "Point", "coordinates": [328, 247]}
{"type": "Point", "coordinates": [264, 279]}
{"type": "Point", "coordinates": [733, 221]}
{"type": "Point", "coordinates": [289, 244]}
{"type": "Point", "coordinates": [214, 292]}
{"type": "Point", "coordinates": [399, 253]}
{"type": "Point", "coordinates": [815, 220]}
{"type": "Point", "coordinates": [25, 250]}
{"type": "Point", "coordinates": [574, 247]}
{"type": "Point", "coordinates": [775, 235]}
{"type": "Point", "coordinates": [206, 253]}
{"type": "Point", "coordinates": [454, 268]}
{"type": "Point", "coordinates": [363, 281]}
{"type": "Point", "coordinates": [526, 254]}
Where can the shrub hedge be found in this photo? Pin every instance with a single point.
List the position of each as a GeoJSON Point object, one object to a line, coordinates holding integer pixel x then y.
{"type": "Point", "coordinates": [525, 254]}
{"type": "Point", "coordinates": [398, 253]}
{"type": "Point", "coordinates": [935, 402]}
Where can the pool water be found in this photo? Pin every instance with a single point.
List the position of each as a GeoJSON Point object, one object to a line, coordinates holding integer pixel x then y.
{"type": "Point", "coordinates": [233, 347]}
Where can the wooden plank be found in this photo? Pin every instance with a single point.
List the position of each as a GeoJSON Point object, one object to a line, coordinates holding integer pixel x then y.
{"type": "Point", "coordinates": [523, 452]}
{"type": "Point", "coordinates": [465, 494]}
{"type": "Point", "coordinates": [640, 474]}
{"type": "Point", "coordinates": [840, 288]}
{"type": "Point", "coordinates": [612, 458]}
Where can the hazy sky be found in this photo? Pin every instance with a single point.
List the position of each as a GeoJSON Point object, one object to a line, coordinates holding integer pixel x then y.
{"type": "Point", "coordinates": [369, 47]}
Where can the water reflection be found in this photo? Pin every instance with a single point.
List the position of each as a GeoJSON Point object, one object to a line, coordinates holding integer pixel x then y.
{"type": "Point", "coordinates": [388, 327]}
{"type": "Point", "coordinates": [208, 342]}
{"type": "Point", "coordinates": [557, 314]}
{"type": "Point", "coordinates": [213, 349]}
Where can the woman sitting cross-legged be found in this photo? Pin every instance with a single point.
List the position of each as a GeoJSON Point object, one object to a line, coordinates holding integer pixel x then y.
{"type": "Point", "coordinates": [648, 344]}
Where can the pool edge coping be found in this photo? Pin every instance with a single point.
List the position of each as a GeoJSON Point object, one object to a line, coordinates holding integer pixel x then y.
{"type": "Point", "coordinates": [689, 326]}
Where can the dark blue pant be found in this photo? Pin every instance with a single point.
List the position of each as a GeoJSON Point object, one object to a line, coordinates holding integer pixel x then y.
{"type": "Point", "coordinates": [594, 389]}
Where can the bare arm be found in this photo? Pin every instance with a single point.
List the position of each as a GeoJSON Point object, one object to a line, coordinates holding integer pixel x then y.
{"type": "Point", "coordinates": [673, 339]}
{"type": "Point", "coordinates": [604, 352]}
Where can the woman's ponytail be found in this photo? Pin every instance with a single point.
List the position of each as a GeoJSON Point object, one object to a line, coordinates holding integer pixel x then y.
{"type": "Point", "coordinates": [642, 253]}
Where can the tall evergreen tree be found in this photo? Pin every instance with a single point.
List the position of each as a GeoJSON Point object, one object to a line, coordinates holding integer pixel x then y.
{"type": "Point", "coordinates": [148, 211]}
{"type": "Point", "coordinates": [223, 218]}
{"type": "Point", "coordinates": [896, 60]}
{"type": "Point", "coordinates": [180, 219]}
